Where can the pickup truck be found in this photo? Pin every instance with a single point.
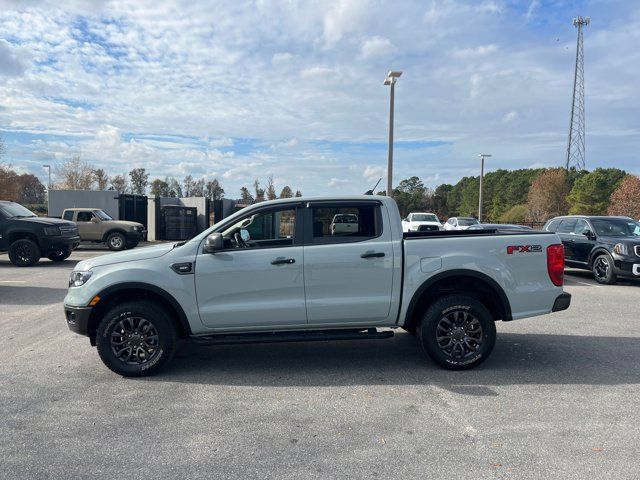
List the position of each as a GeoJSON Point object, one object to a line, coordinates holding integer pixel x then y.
{"type": "Point", "coordinates": [421, 222]}
{"type": "Point", "coordinates": [275, 272]}
{"type": "Point", "coordinates": [95, 225]}
{"type": "Point", "coordinates": [28, 237]}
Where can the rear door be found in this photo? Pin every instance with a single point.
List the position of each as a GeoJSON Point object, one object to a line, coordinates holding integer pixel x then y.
{"type": "Point", "coordinates": [566, 233]}
{"type": "Point", "coordinates": [348, 275]}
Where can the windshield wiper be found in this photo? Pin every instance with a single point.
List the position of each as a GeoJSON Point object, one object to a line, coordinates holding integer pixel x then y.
{"type": "Point", "coordinates": [24, 216]}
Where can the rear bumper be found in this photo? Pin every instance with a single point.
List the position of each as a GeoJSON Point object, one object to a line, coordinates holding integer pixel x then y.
{"type": "Point", "coordinates": [78, 319]}
{"type": "Point", "coordinates": [562, 302]}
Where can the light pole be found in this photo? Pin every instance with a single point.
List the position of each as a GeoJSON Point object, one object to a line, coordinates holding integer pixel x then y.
{"type": "Point", "coordinates": [482, 157]}
{"type": "Point", "coordinates": [392, 78]}
{"type": "Point", "coordinates": [48, 167]}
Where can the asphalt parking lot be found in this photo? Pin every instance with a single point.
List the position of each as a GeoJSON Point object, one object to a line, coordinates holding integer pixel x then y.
{"type": "Point", "coordinates": [557, 399]}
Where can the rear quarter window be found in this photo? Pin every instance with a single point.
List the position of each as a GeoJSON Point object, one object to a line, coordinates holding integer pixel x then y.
{"type": "Point", "coordinates": [552, 226]}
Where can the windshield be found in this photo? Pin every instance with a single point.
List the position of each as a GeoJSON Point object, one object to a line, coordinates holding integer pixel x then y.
{"type": "Point", "coordinates": [466, 222]}
{"type": "Point", "coordinates": [616, 227]}
{"type": "Point", "coordinates": [424, 217]}
{"type": "Point", "coordinates": [102, 215]}
{"type": "Point", "coordinates": [15, 210]}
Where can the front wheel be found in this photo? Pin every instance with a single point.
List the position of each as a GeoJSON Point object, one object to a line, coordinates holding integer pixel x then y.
{"type": "Point", "coordinates": [59, 255]}
{"type": "Point", "coordinates": [24, 253]}
{"type": "Point", "coordinates": [116, 241]}
{"type": "Point", "coordinates": [457, 332]}
{"type": "Point", "coordinates": [136, 339]}
{"type": "Point", "coordinates": [603, 269]}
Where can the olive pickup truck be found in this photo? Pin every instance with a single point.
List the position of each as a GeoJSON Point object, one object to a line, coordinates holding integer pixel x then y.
{"type": "Point", "coordinates": [28, 237]}
{"type": "Point", "coordinates": [276, 272]}
{"type": "Point", "coordinates": [96, 225]}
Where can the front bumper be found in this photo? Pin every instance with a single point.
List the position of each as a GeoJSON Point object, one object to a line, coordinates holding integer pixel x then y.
{"type": "Point", "coordinates": [78, 319]}
{"type": "Point", "coordinates": [49, 244]}
{"type": "Point", "coordinates": [562, 302]}
{"type": "Point", "coordinates": [136, 235]}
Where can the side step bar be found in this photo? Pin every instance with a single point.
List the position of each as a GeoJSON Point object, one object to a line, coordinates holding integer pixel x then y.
{"type": "Point", "coordinates": [279, 337]}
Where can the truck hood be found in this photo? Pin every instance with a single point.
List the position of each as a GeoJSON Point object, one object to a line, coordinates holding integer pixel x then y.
{"type": "Point", "coordinates": [142, 253]}
{"type": "Point", "coordinates": [45, 221]}
{"type": "Point", "coordinates": [425, 223]}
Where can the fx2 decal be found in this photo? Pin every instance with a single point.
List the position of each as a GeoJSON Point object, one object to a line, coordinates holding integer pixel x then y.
{"type": "Point", "coordinates": [523, 249]}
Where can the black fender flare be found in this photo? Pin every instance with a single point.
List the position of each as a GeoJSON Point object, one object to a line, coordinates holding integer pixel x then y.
{"type": "Point", "coordinates": [597, 251]}
{"type": "Point", "coordinates": [113, 230]}
{"type": "Point", "coordinates": [504, 300]}
{"type": "Point", "coordinates": [121, 287]}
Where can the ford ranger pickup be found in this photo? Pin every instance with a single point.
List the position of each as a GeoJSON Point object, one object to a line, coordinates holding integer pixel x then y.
{"type": "Point", "coordinates": [276, 271]}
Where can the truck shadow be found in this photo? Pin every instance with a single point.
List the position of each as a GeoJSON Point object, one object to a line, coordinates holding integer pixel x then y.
{"type": "Point", "coordinates": [518, 359]}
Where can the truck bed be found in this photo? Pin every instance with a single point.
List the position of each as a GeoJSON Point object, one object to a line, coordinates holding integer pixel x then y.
{"type": "Point", "coordinates": [471, 233]}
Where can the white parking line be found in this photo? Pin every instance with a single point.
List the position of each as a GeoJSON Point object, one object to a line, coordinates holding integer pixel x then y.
{"type": "Point", "coordinates": [13, 281]}
{"type": "Point", "coordinates": [588, 284]}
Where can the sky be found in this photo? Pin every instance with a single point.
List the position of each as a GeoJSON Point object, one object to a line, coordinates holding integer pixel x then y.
{"type": "Point", "coordinates": [294, 89]}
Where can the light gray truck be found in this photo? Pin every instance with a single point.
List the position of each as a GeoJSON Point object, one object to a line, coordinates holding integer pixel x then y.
{"type": "Point", "coordinates": [95, 225]}
{"type": "Point", "coordinates": [276, 272]}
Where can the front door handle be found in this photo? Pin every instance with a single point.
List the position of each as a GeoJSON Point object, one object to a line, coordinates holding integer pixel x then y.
{"type": "Point", "coordinates": [283, 261]}
{"type": "Point", "coordinates": [372, 255]}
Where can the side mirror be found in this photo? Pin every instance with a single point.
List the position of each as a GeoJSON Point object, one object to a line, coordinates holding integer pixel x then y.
{"type": "Point", "coordinates": [213, 243]}
{"type": "Point", "coordinates": [94, 220]}
{"type": "Point", "coordinates": [589, 234]}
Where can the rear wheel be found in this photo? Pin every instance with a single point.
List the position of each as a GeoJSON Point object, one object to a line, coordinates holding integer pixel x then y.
{"type": "Point", "coordinates": [116, 241]}
{"type": "Point", "coordinates": [136, 339]}
{"type": "Point", "coordinates": [457, 332]}
{"type": "Point", "coordinates": [24, 253]}
{"type": "Point", "coordinates": [59, 255]}
{"type": "Point", "coordinates": [603, 269]}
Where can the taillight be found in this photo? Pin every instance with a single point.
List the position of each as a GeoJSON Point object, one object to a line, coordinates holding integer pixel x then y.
{"type": "Point", "coordinates": [555, 264]}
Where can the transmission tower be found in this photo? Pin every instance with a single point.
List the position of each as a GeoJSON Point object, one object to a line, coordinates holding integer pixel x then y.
{"type": "Point", "coordinates": [575, 145]}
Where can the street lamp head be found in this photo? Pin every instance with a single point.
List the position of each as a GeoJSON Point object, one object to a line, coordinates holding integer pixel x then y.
{"type": "Point", "coordinates": [392, 77]}
{"type": "Point", "coordinates": [46, 166]}
{"type": "Point", "coordinates": [389, 81]}
{"type": "Point", "coordinates": [394, 74]}
{"type": "Point", "coordinates": [484, 155]}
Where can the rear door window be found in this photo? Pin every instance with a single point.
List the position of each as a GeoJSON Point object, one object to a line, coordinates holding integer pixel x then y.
{"type": "Point", "coordinates": [567, 225]}
{"type": "Point", "coordinates": [345, 223]}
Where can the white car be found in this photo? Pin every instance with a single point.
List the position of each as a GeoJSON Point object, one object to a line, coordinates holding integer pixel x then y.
{"type": "Point", "coordinates": [460, 223]}
{"type": "Point", "coordinates": [421, 222]}
{"type": "Point", "coordinates": [344, 223]}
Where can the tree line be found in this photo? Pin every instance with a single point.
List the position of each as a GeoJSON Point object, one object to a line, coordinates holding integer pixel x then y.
{"type": "Point", "coordinates": [526, 195]}
{"type": "Point", "coordinates": [76, 174]}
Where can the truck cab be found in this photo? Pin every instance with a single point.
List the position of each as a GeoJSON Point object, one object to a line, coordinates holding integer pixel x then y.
{"type": "Point", "coordinates": [95, 225]}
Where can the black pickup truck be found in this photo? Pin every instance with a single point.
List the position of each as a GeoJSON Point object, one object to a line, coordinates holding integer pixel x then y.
{"type": "Point", "coordinates": [28, 237]}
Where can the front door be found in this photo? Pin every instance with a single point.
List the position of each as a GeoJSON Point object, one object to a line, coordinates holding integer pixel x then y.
{"type": "Point", "coordinates": [348, 274]}
{"type": "Point", "coordinates": [582, 244]}
{"type": "Point", "coordinates": [88, 226]}
{"type": "Point", "coordinates": [258, 279]}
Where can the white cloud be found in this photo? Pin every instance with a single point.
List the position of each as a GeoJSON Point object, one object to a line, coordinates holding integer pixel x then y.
{"type": "Point", "coordinates": [479, 51]}
{"type": "Point", "coordinates": [376, 47]}
{"type": "Point", "coordinates": [337, 182]}
{"type": "Point", "coordinates": [372, 173]}
{"type": "Point", "coordinates": [510, 116]}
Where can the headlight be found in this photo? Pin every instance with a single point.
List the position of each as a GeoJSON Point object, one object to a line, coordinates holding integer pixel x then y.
{"type": "Point", "coordinates": [52, 231]}
{"type": "Point", "coordinates": [621, 249]}
{"type": "Point", "coordinates": [77, 279]}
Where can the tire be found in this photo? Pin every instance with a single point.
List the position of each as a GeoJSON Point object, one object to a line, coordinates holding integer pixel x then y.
{"type": "Point", "coordinates": [602, 269]}
{"type": "Point", "coordinates": [24, 253]}
{"type": "Point", "coordinates": [116, 241]}
{"type": "Point", "coordinates": [120, 325]}
{"type": "Point", "coordinates": [59, 256]}
{"type": "Point", "coordinates": [466, 324]}
{"type": "Point", "coordinates": [133, 244]}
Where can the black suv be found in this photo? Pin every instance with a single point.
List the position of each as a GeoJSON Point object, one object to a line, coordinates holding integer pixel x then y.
{"type": "Point", "coordinates": [27, 237]}
{"type": "Point", "coordinates": [608, 246]}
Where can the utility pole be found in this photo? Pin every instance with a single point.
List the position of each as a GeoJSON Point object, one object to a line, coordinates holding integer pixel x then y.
{"type": "Point", "coordinates": [48, 167]}
{"type": "Point", "coordinates": [482, 157]}
{"type": "Point", "coordinates": [576, 142]}
{"type": "Point", "coordinates": [392, 78]}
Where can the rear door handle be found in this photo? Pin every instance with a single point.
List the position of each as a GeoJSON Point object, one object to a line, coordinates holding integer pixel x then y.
{"type": "Point", "coordinates": [283, 261]}
{"type": "Point", "coordinates": [372, 255]}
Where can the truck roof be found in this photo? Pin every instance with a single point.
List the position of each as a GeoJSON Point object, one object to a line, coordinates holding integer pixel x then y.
{"type": "Point", "coordinates": [75, 209]}
{"type": "Point", "coordinates": [340, 198]}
